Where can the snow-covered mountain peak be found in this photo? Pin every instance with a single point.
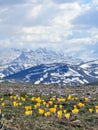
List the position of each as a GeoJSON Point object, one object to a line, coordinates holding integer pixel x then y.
{"type": "Point", "coordinates": [44, 65]}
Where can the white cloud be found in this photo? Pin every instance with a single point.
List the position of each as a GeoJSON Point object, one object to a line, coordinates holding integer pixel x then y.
{"type": "Point", "coordinates": [84, 41]}
{"type": "Point", "coordinates": [44, 34]}
{"type": "Point", "coordinates": [5, 43]}
{"type": "Point", "coordinates": [48, 23]}
{"type": "Point", "coordinates": [67, 13]}
{"type": "Point", "coordinates": [35, 11]}
{"type": "Point", "coordinates": [95, 2]}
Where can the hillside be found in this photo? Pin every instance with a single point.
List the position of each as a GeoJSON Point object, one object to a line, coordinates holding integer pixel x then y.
{"type": "Point", "coordinates": [51, 107]}
{"type": "Point", "coordinates": [45, 66]}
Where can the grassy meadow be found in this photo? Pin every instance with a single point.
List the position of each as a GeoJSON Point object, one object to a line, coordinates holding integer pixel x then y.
{"type": "Point", "coordinates": [48, 107]}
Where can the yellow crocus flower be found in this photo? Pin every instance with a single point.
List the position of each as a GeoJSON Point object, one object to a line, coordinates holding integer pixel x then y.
{"type": "Point", "coordinates": [38, 100]}
{"type": "Point", "coordinates": [65, 110]}
{"type": "Point", "coordinates": [0, 111]}
{"type": "Point", "coordinates": [67, 115]}
{"type": "Point", "coordinates": [96, 107]}
{"type": "Point", "coordinates": [60, 106]}
{"type": "Point", "coordinates": [41, 111]}
{"type": "Point", "coordinates": [19, 98]}
{"type": "Point", "coordinates": [52, 99]}
{"type": "Point", "coordinates": [15, 104]}
{"type": "Point", "coordinates": [80, 104]}
{"type": "Point", "coordinates": [69, 97]}
{"type": "Point", "coordinates": [52, 110]}
{"type": "Point", "coordinates": [28, 108]}
{"type": "Point", "coordinates": [90, 110]}
{"type": "Point", "coordinates": [76, 98]}
{"type": "Point", "coordinates": [59, 114]}
{"type": "Point", "coordinates": [23, 99]}
{"type": "Point", "coordinates": [50, 102]}
{"type": "Point", "coordinates": [33, 99]}
{"type": "Point", "coordinates": [2, 99]}
{"type": "Point", "coordinates": [28, 112]}
{"type": "Point", "coordinates": [44, 103]}
{"type": "Point", "coordinates": [14, 97]}
{"type": "Point", "coordinates": [38, 105]}
{"type": "Point", "coordinates": [61, 99]}
{"type": "Point", "coordinates": [20, 103]}
{"type": "Point", "coordinates": [47, 113]}
{"type": "Point", "coordinates": [55, 106]}
{"type": "Point", "coordinates": [3, 104]}
{"type": "Point", "coordinates": [96, 110]}
{"type": "Point", "coordinates": [86, 98]}
{"type": "Point", "coordinates": [47, 105]}
{"type": "Point", "coordinates": [75, 110]}
{"type": "Point", "coordinates": [11, 97]}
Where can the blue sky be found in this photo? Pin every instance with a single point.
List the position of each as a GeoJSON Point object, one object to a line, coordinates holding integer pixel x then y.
{"type": "Point", "coordinates": [67, 25]}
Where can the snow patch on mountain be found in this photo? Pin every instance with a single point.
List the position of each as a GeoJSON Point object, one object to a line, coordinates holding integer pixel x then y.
{"type": "Point", "coordinates": [59, 73]}
{"type": "Point", "coordinates": [91, 68]}
{"type": "Point", "coordinates": [15, 60]}
{"type": "Point", "coordinates": [46, 66]}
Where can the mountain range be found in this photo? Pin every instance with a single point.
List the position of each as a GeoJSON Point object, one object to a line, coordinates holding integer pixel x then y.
{"type": "Point", "coordinates": [46, 66]}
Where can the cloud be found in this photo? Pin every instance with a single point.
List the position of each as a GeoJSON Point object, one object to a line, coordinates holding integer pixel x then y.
{"type": "Point", "coordinates": [71, 1]}
{"type": "Point", "coordinates": [70, 25]}
{"type": "Point", "coordinates": [66, 14]}
{"type": "Point", "coordinates": [89, 18]}
{"type": "Point", "coordinates": [64, 1]}
{"type": "Point", "coordinates": [29, 15]}
{"type": "Point", "coordinates": [11, 2]}
{"type": "Point", "coordinates": [95, 2]}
